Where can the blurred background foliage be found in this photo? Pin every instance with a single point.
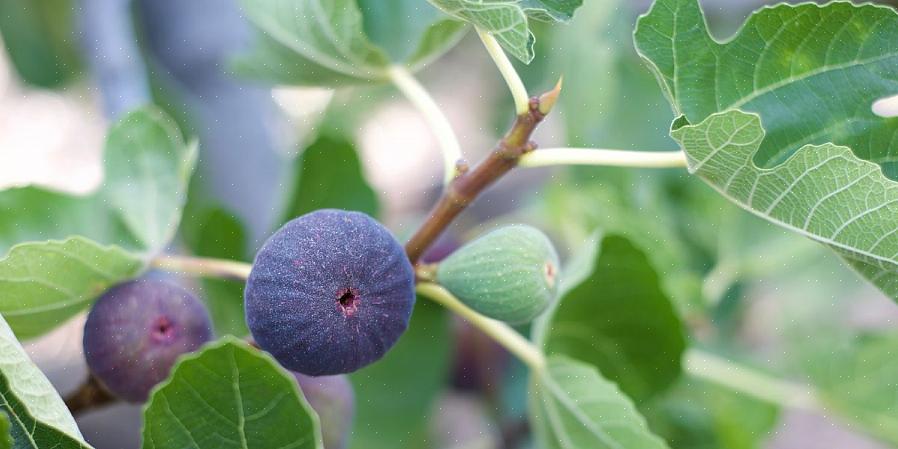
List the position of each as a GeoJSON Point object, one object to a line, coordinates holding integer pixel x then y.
{"type": "Point", "coordinates": [745, 288]}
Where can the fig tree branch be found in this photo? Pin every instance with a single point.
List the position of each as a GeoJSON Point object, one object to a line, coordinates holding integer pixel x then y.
{"type": "Point", "coordinates": [439, 124]}
{"type": "Point", "coordinates": [594, 156]}
{"type": "Point", "coordinates": [465, 188]}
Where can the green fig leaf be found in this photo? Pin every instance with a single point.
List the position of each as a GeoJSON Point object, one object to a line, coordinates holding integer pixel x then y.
{"type": "Point", "coordinates": [822, 192]}
{"type": "Point", "coordinates": [138, 207]}
{"type": "Point", "coordinates": [330, 176]}
{"type": "Point", "coordinates": [616, 316]}
{"type": "Point", "coordinates": [337, 43]}
{"type": "Point", "coordinates": [38, 418]}
{"type": "Point", "coordinates": [572, 406]}
{"type": "Point", "coordinates": [508, 20]}
{"type": "Point", "coordinates": [811, 72]}
{"type": "Point", "coordinates": [42, 284]}
{"type": "Point", "coordinates": [229, 395]}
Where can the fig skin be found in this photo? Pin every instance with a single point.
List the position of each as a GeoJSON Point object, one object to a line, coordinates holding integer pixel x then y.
{"type": "Point", "coordinates": [510, 274]}
{"type": "Point", "coordinates": [329, 293]}
{"type": "Point", "coordinates": [333, 399]}
{"type": "Point", "coordinates": [136, 331]}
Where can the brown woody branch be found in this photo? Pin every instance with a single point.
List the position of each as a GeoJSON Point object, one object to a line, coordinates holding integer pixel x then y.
{"type": "Point", "coordinates": [88, 396]}
{"type": "Point", "coordinates": [465, 188]}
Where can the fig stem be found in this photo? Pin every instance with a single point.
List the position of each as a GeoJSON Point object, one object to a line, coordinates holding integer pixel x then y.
{"type": "Point", "coordinates": [734, 376]}
{"type": "Point", "coordinates": [433, 115]}
{"type": "Point", "coordinates": [603, 157]}
{"type": "Point", "coordinates": [506, 68]}
{"type": "Point", "coordinates": [88, 396]}
{"type": "Point", "coordinates": [465, 188]}
{"type": "Point", "coordinates": [203, 267]}
{"type": "Point", "coordinates": [499, 331]}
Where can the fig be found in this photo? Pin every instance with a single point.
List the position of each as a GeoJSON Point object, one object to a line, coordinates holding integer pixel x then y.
{"type": "Point", "coordinates": [329, 293]}
{"type": "Point", "coordinates": [136, 331]}
{"type": "Point", "coordinates": [333, 399]}
{"type": "Point", "coordinates": [510, 274]}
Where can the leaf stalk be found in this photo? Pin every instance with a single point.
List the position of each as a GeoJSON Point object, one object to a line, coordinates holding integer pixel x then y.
{"type": "Point", "coordinates": [604, 157]}
{"type": "Point", "coordinates": [433, 115]}
{"type": "Point", "coordinates": [203, 267]}
{"type": "Point", "coordinates": [506, 68]}
{"type": "Point", "coordinates": [499, 331]}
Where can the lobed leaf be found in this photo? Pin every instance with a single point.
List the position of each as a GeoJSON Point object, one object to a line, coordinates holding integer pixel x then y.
{"type": "Point", "coordinates": [616, 316]}
{"type": "Point", "coordinates": [811, 72]}
{"type": "Point", "coordinates": [823, 191]}
{"type": "Point", "coordinates": [229, 395]}
{"type": "Point", "coordinates": [42, 284]}
{"type": "Point", "coordinates": [572, 406]}
{"type": "Point", "coordinates": [38, 418]}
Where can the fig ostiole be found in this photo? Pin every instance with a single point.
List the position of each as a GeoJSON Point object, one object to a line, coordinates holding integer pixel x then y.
{"type": "Point", "coordinates": [510, 274]}
{"type": "Point", "coordinates": [333, 399]}
{"type": "Point", "coordinates": [135, 332]}
{"type": "Point", "coordinates": [329, 293]}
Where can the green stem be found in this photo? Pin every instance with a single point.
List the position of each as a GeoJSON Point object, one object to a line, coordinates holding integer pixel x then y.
{"type": "Point", "coordinates": [720, 371]}
{"type": "Point", "coordinates": [203, 267]}
{"type": "Point", "coordinates": [594, 156]}
{"type": "Point", "coordinates": [433, 115]}
{"type": "Point", "coordinates": [515, 85]}
{"type": "Point", "coordinates": [499, 331]}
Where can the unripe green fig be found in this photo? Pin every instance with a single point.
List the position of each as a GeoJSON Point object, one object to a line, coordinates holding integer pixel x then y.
{"type": "Point", "coordinates": [510, 274]}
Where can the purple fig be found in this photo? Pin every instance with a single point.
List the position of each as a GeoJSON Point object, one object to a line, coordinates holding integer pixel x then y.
{"type": "Point", "coordinates": [136, 331]}
{"type": "Point", "coordinates": [329, 293]}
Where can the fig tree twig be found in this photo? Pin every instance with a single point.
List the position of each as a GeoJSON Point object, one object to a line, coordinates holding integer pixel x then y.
{"type": "Point", "coordinates": [88, 396]}
{"type": "Point", "coordinates": [467, 186]}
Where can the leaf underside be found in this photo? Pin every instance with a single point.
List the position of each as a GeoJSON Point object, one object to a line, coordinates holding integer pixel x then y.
{"type": "Point", "coordinates": [508, 20]}
{"type": "Point", "coordinates": [811, 72]}
{"type": "Point", "coordinates": [38, 418]}
{"type": "Point", "coordinates": [820, 165]}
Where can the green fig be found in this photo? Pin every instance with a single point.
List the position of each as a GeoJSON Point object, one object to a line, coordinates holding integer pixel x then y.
{"type": "Point", "coordinates": [510, 274]}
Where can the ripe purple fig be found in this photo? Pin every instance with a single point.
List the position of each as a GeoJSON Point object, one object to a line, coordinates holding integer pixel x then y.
{"type": "Point", "coordinates": [333, 399]}
{"type": "Point", "coordinates": [136, 331]}
{"type": "Point", "coordinates": [329, 293]}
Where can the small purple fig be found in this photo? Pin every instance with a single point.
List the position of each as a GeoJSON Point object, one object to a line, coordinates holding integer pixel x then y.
{"type": "Point", "coordinates": [329, 293]}
{"type": "Point", "coordinates": [333, 399]}
{"type": "Point", "coordinates": [136, 331]}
